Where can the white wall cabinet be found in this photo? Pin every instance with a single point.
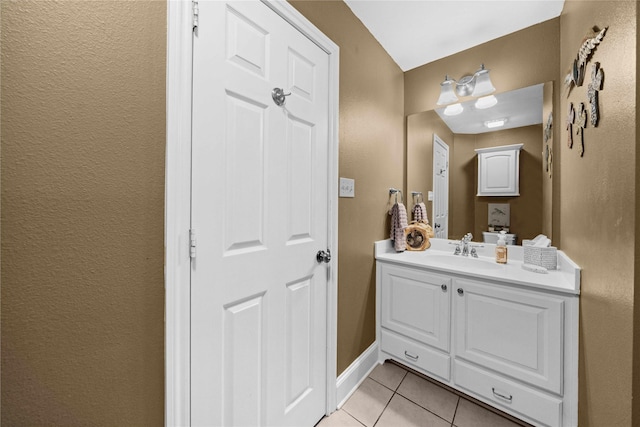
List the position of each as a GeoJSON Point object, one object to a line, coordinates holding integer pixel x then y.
{"type": "Point", "coordinates": [508, 346]}
{"type": "Point", "coordinates": [499, 170]}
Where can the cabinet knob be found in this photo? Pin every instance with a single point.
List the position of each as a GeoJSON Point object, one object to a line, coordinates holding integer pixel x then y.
{"type": "Point", "coordinates": [460, 291]}
{"type": "Point", "coordinates": [443, 287]}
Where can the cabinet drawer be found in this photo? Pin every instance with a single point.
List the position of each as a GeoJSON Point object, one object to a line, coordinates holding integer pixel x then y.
{"type": "Point", "coordinates": [503, 393]}
{"type": "Point", "coordinates": [415, 354]}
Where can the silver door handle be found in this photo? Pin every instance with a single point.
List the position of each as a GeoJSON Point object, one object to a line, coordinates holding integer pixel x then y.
{"type": "Point", "coordinates": [278, 95]}
{"type": "Point", "coordinates": [323, 256]}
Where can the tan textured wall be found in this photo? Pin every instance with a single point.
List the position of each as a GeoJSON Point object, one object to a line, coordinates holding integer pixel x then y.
{"type": "Point", "coordinates": [597, 206]}
{"type": "Point", "coordinates": [520, 59]}
{"type": "Point", "coordinates": [463, 176]}
{"type": "Point", "coordinates": [545, 168]}
{"type": "Point", "coordinates": [83, 137]}
{"type": "Point", "coordinates": [526, 209]}
{"type": "Point", "coordinates": [636, 275]}
{"type": "Point", "coordinates": [420, 130]}
{"type": "Point", "coordinates": [371, 152]}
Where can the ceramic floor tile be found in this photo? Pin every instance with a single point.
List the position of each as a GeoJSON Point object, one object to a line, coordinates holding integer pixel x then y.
{"type": "Point", "coordinates": [471, 415]}
{"type": "Point", "coordinates": [388, 374]}
{"type": "Point", "coordinates": [339, 419]}
{"type": "Point", "coordinates": [402, 412]}
{"type": "Point", "coordinates": [436, 399]}
{"type": "Point", "coordinates": [368, 401]}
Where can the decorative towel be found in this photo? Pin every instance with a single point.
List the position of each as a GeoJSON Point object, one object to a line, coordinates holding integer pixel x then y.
{"type": "Point", "coordinates": [398, 223]}
{"type": "Point", "coordinates": [420, 212]}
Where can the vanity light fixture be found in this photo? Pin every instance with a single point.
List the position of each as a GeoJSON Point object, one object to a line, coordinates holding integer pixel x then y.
{"type": "Point", "coordinates": [479, 84]}
{"type": "Point", "coordinates": [495, 123]}
{"type": "Point", "coordinates": [453, 109]}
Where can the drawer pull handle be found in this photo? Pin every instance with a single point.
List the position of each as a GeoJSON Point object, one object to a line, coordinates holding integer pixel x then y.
{"type": "Point", "coordinates": [443, 287]}
{"type": "Point", "coordinates": [410, 356]}
{"type": "Point", "coordinates": [460, 291]}
{"type": "Point", "coordinates": [495, 393]}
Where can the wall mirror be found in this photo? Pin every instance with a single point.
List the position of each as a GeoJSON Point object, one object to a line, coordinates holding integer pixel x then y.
{"type": "Point", "coordinates": [526, 111]}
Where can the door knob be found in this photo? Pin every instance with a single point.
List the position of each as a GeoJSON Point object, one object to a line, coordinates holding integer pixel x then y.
{"type": "Point", "coordinates": [279, 97]}
{"type": "Point", "coordinates": [323, 256]}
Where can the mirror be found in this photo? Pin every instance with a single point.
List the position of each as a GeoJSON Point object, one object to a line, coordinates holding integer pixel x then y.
{"type": "Point", "coordinates": [528, 112]}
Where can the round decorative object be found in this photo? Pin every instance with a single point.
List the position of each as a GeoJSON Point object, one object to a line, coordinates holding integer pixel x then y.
{"type": "Point", "coordinates": [417, 236]}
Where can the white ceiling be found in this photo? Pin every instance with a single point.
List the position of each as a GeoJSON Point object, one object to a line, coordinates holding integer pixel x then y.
{"type": "Point", "coordinates": [416, 32]}
{"type": "Point", "coordinates": [521, 107]}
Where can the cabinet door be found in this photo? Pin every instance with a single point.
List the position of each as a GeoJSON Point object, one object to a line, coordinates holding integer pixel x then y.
{"type": "Point", "coordinates": [498, 173]}
{"type": "Point", "coordinates": [513, 332]}
{"type": "Point", "coordinates": [416, 304]}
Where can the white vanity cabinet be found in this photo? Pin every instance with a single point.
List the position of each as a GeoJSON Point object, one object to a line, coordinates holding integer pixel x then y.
{"type": "Point", "coordinates": [509, 348]}
{"type": "Point", "coordinates": [499, 170]}
{"type": "Point", "coordinates": [415, 318]}
{"type": "Point", "coordinates": [505, 343]}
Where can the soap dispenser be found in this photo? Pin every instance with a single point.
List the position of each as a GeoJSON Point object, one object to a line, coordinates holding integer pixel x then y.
{"type": "Point", "coordinates": [501, 248]}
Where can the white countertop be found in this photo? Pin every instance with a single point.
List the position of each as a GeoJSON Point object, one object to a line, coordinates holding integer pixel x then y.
{"type": "Point", "coordinates": [439, 257]}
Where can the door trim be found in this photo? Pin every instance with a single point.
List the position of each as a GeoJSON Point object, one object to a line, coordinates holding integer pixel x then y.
{"type": "Point", "coordinates": [178, 204]}
{"type": "Point", "coordinates": [438, 140]}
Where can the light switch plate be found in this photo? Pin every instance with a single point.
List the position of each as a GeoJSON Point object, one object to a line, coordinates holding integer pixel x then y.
{"type": "Point", "coordinates": [347, 187]}
{"type": "Point", "coordinates": [430, 196]}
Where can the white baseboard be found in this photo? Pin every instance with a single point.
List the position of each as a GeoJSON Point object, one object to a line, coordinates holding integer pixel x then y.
{"type": "Point", "coordinates": [352, 377]}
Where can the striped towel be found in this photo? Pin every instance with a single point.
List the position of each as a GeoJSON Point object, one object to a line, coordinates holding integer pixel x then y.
{"type": "Point", "coordinates": [420, 212]}
{"type": "Point", "coordinates": [398, 224]}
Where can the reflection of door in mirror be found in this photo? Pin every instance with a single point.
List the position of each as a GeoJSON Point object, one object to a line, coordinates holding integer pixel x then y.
{"type": "Point", "coordinates": [440, 188]}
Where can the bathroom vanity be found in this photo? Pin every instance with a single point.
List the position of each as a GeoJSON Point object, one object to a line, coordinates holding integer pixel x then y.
{"type": "Point", "coordinates": [503, 335]}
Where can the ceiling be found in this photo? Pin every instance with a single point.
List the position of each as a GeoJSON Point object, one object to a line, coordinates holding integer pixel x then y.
{"type": "Point", "coordinates": [521, 107]}
{"type": "Point", "coordinates": [416, 32]}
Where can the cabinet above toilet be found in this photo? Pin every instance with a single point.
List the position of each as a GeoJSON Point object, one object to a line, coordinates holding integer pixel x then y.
{"type": "Point", "coordinates": [499, 170]}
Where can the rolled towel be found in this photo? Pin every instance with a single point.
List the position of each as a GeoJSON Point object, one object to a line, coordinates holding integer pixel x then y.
{"type": "Point", "coordinates": [398, 224]}
{"type": "Point", "coordinates": [420, 212]}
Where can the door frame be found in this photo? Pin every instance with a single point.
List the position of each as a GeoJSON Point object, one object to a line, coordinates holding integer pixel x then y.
{"type": "Point", "coordinates": [439, 141]}
{"type": "Point", "coordinates": [178, 203]}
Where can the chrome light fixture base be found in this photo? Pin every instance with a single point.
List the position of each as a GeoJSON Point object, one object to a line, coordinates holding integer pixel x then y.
{"type": "Point", "coordinates": [479, 84]}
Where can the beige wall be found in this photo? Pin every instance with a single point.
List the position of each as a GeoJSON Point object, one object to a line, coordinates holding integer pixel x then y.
{"type": "Point", "coordinates": [371, 152]}
{"type": "Point", "coordinates": [526, 209]}
{"type": "Point", "coordinates": [597, 208]}
{"type": "Point", "coordinates": [420, 130]}
{"type": "Point", "coordinates": [83, 137]}
{"type": "Point", "coordinates": [546, 165]}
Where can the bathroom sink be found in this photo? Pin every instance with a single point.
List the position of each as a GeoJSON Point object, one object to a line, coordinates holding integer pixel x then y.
{"type": "Point", "coordinates": [459, 261]}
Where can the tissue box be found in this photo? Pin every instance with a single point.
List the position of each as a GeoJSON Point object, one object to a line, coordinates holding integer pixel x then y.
{"type": "Point", "coordinates": [544, 257]}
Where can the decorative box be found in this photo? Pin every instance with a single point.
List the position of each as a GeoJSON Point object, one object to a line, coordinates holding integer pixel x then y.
{"type": "Point", "coordinates": [544, 257]}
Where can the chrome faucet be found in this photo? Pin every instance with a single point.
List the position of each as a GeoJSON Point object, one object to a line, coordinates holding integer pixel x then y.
{"type": "Point", "coordinates": [465, 244]}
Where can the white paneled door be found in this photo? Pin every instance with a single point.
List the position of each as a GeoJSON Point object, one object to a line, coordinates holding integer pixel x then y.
{"type": "Point", "coordinates": [440, 188]}
{"type": "Point", "coordinates": [259, 211]}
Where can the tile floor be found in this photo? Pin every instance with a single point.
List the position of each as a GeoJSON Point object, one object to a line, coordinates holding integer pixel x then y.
{"type": "Point", "coordinates": [393, 396]}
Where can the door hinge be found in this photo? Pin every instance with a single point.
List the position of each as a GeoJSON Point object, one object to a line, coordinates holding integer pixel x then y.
{"type": "Point", "coordinates": [196, 11]}
{"type": "Point", "coordinates": [192, 243]}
